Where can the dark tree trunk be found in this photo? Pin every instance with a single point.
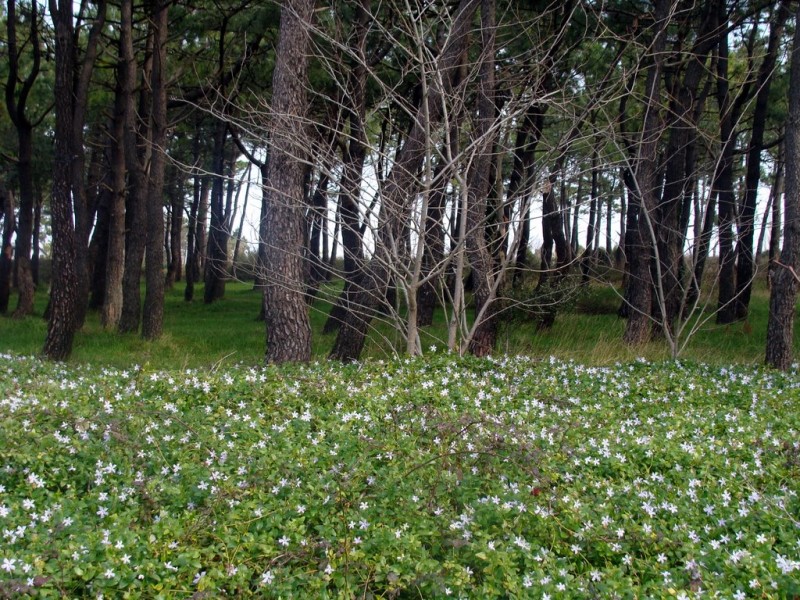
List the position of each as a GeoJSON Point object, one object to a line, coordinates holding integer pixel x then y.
{"type": "Point", "coordinates": [352, 171]}
{"type": "Point", "coordinates": [83, 205]}
{"type": "Point", "coordinates": [197, 227]}
{"type": "Point", "coordinates": [745, 265]}
{"type": "Point", "coordinates": [285, 309]}
{"type": "Point", "coordinates": [123, 104]}
{"type": "Point", "coordinates": [37, 228]}
{"type": "Point", "coordinates": [775, 226]}
{"type": "Point", "coordinates": [217, 248]}
{"type": "Point", "coordinates": [16, 105]}
{"type": "Point", "coordinates": [153, 316]}
{"type": "Point", "coordinates": [679, 169]}
{"type": "Point", "coordinates": [98, 247]}
{"type": "Point", "coordinates": [554, 237]}
{"type": "Point", "coordinates": [191, 242]}
{"type": "Point", "coordinates": [237, 245]}
{"type": "Point", "coordinates": [785, 281]}
{"type": "Point", "coordinates": [775, 193]}
{"type": "Point", "coordinates": [519, 184]}
{"type": "Point", "coordinates": [7, 210]}
{"type": "Point", "coordinates": [174, 270]}
{"type": "Point", "coordinates": [61, 325]}
{"type": "Point", "coordinates": [137, 156]}
{"type": "Point", "coordinates": [433, 230]}
{"type": "Point", "coordinates": [637, 327]}
{"type": "Point", "coordinates": [628, 236]}
{"type": "Point", "coordinates": [317, 223]}
{"type": "Point", "coordinates": [478, 183]}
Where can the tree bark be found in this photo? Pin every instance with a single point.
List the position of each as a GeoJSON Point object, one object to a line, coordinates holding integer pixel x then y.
{"type": "Point", "coordinates": [217, 248]}
{"type": "Point", "coordinates": [123, 104]}
{"type": "Point", "coordinates": [16, 104]}
{"type": "Point", "coordinates": [745, 265]}
{"type": "Point", "coordinates": [153, 316]}
{"type": "Point", "coordinates": [83, 209]}
{"type": "Point", "coordinates": [6, 249]}
{"type": "Point", "coordinates": [478, 182]}
{"type": "Point", "coordinates": [176, 196]}
{"type": "Point", "coordinates": [285, 309]}
{"type": "Point", "coordinates": [138, 153]}
{"type": "Point", "coordinates": [638, 325]}
{"type": "Point", "coordinates": [64, 289]}
{"type": "Point", "coordinates": [785, 281]}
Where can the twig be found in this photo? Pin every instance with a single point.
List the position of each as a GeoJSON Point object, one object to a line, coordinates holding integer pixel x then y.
{"type": "Point", "coordinates": [789, 267]}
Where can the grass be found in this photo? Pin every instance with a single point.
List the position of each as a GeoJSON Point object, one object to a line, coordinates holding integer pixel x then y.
{"type": "Point", "coordinates": [228, 332]}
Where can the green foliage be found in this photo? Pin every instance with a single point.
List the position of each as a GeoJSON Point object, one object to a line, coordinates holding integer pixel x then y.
{"type": "Point", "coordinates": [420, 478]}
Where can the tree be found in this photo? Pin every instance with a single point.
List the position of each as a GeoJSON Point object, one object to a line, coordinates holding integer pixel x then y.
{"type": "Point", "coordinates": [65, 286]}
{"type": "Point", "coordinates": [123, 117]}
{"type": "Point", "coordinates": [785, 278]}
{"type": "Point", "coordinates": [17, 106]}
{"type": "Point", "coordinates": [153, 316]}
{"type": "Point", "coordinates": [282, 230]}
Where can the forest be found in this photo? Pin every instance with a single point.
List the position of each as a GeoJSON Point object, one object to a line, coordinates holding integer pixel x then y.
{"type": "Point", "coordinates": [474, 157]}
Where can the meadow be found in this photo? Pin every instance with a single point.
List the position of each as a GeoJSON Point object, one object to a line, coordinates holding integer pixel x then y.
{"type": "Point", "coordinates": [429, 477]}
{"type": "Point", "coordinates": [185, 468]}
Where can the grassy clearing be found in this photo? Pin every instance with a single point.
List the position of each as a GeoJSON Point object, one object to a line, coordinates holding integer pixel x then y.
{"type": "Point", "coordinates": [415, 478]}
{"type": "Point", "coordinates": [227, 332]}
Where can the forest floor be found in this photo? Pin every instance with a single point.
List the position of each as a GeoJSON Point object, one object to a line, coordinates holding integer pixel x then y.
{"type": "Point", "coordinates": [227, 332]}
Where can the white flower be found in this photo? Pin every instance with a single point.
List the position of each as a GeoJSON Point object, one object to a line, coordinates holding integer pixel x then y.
{"type": "Point", "coordinates": [266, 577]}
{"type": "Point", "coordinates": [8, 564]}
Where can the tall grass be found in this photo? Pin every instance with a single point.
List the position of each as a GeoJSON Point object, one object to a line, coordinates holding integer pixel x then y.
{"type": "Point", "coordinates": [228, 331]}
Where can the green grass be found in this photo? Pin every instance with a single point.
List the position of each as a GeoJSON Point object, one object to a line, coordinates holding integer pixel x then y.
{"type": "Point", "coordinates": [228, 332]}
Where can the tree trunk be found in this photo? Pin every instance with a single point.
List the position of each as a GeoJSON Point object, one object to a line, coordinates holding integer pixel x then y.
{"type": "Point", "coordinates": [37, 228]}
{"type": "Point", "coordinates": [123, 103]}
{"type": "Point", "coordinates": [285, 308]}
{"type": "Point", "coordinates": [98, 247]}
{"type": "Point", "coordinates": [138, 153]}
{"type": "Point", "coordinates": [174, 270]}
{"type": "Point", "coordinates": [83, 208]}
{"type": "Point", "coordinates": [785, 281]}
{"type": "Point", "coordinates": [352, 171]}
{"type": "Point", "coordinates": [7, 209]}
{"type": "Point", "coordinates": [16, 105]}
{"type": "Point", "coordinates": [64, 288]}
{"type": "Point", "coordinates": [217, 248]}
{"type": "Point", "coordinates": [745, 265]}
{"type": "Point", "coordinates": [153, 316]}
{"type": "Point", "coordinates": [478, 185]}
{"type": "Point", "coordinates": [638, 325]}
{"type": "Point", "coordinates": [679, 176]}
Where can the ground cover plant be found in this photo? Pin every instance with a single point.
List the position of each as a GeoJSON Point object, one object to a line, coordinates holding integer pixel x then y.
{"type": "Point", "coordinates": [412, 478]}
